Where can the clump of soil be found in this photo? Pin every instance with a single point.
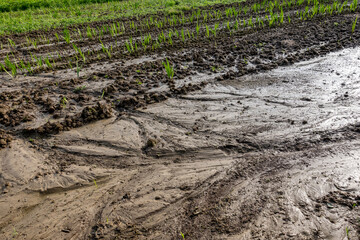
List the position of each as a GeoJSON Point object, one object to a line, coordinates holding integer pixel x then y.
{"type": "Point", "coordinates": [341, 198]}
{"type": "Point", "coordinates": [100, 111]}
{"type": "Point", "coordinates": [14, 117]}
{"type": "Point", "coordinates": [5, 139]}
{"type": "Point", "coordinates": [88, 114]}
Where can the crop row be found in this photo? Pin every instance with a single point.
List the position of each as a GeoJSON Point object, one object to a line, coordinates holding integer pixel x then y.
{"type": "Point", "coordinates": [48, 19]}
{"type": "Point", "coordinates": [13, 65]}
{"type": "Point", "coordinates": [115, 29]}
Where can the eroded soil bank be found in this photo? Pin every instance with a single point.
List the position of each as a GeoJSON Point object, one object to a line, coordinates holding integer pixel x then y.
{"type": "Point", "coordinates": [273, 155]}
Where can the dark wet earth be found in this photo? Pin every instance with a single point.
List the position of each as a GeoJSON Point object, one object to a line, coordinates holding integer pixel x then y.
{"type": "Point", "coordinates": [255, 137]}
{"type": "Point", "coordinates": [273, 155]}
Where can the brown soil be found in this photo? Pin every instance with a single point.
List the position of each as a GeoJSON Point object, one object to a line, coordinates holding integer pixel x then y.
{"type": "Point", "coordinates": [255, 137]}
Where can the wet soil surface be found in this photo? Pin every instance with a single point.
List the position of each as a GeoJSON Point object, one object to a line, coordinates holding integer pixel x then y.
{"type": "Point", "coordinates": [255, 137]}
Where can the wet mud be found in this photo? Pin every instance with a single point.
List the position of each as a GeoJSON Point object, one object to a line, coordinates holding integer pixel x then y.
{"type": "Point", "coordinates": [262, 148]}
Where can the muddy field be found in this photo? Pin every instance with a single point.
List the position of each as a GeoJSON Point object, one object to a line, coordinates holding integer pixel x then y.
{"type": "Point", "coordinates": [255, 137]}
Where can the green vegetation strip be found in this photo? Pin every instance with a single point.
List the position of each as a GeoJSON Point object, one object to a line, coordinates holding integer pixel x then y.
{"type": "Point", "coordinates": [18, 5]}
{"type": "Point", "coordinates": [17, 16]}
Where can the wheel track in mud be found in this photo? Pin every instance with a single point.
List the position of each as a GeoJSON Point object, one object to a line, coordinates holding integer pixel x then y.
{"type": "Point", "coordinates": [219, 184]}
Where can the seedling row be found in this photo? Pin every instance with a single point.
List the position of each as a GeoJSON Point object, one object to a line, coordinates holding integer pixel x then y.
{"type": "Point", "coordinates": [111, 42]}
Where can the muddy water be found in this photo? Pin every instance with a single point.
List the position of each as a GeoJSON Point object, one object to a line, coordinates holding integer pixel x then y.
{"type": "Point", "coordinates": [267, 156]}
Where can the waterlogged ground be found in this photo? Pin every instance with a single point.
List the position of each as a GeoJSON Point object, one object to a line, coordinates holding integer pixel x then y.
{"type": "Point", "coordinates": [273, 155]}
{"type": "Point", "coordinates": [255, 137]}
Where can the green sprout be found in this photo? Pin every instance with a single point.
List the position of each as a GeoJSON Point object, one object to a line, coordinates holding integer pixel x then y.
{"type": "Point", "coordinates": [63, 102]}
{"type": "Point", "coordinates": [12, 43]}
{"type": "Point", "coordinates": [169, 69]}
{"type": "Point", "coordinates": [47, 62]}
{"type": "Point", "coordinates": [14, 233]}
{"type": "Point", "coordinates": [78, 69]}
{"type": "Point", "coordinates": [67, 36]}
{"type": "Point", "coordinates": [79, 89]}
{"type": "Point", "coordinates": [207, 31]}
{"type": "Point", "coordinates": [129, 46]}
{"type": "Point", "coordinates": [354, 25]}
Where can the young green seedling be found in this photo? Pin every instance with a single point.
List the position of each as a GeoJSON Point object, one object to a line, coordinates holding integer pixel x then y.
{"type": "Point", "coordinates": [4, 68]}
{"type": "Point", "coordinates": [47, 62]}
{"type": "Point", "coordinates": [353, 5]}
{"type": "Point", "coordinates": [89, 32]}
{"type": "Point", "coordinates": [57, 37]}
{"type": "Point", "coordinates": [354, 25]}
{"type": "Point", "coordinates": [129, 46]}
{"type": "Point", "coordinates": [79, 89]}
{"type": "Point", "coordinates": [169, 69]}
{"type": "Point", "coordinates": [197, 29]}
{"type": "Point", "coordinates": [12, 43]}
{"type": "Point", "coordinates": [207, 31]}
{"type": "Point", "coordinates": [67, 36]}
{"type": "Point", "coordinates": [11, 66]}
{"type": "Point", "coordinates": [63, 102]}
{"type": "Point", "coordinates": [228, 26]}
{"type": "Point", "coordinates": [78, 68]}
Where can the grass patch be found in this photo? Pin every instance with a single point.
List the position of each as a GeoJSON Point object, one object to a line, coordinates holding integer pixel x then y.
{"type": "Point", "coordinates": [21, 5]}
{"type": "Point", "coordinates": [19, 16]}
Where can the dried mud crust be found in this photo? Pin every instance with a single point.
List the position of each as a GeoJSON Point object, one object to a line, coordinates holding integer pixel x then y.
{"type": "Point", "coordinates": [125, 152]}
